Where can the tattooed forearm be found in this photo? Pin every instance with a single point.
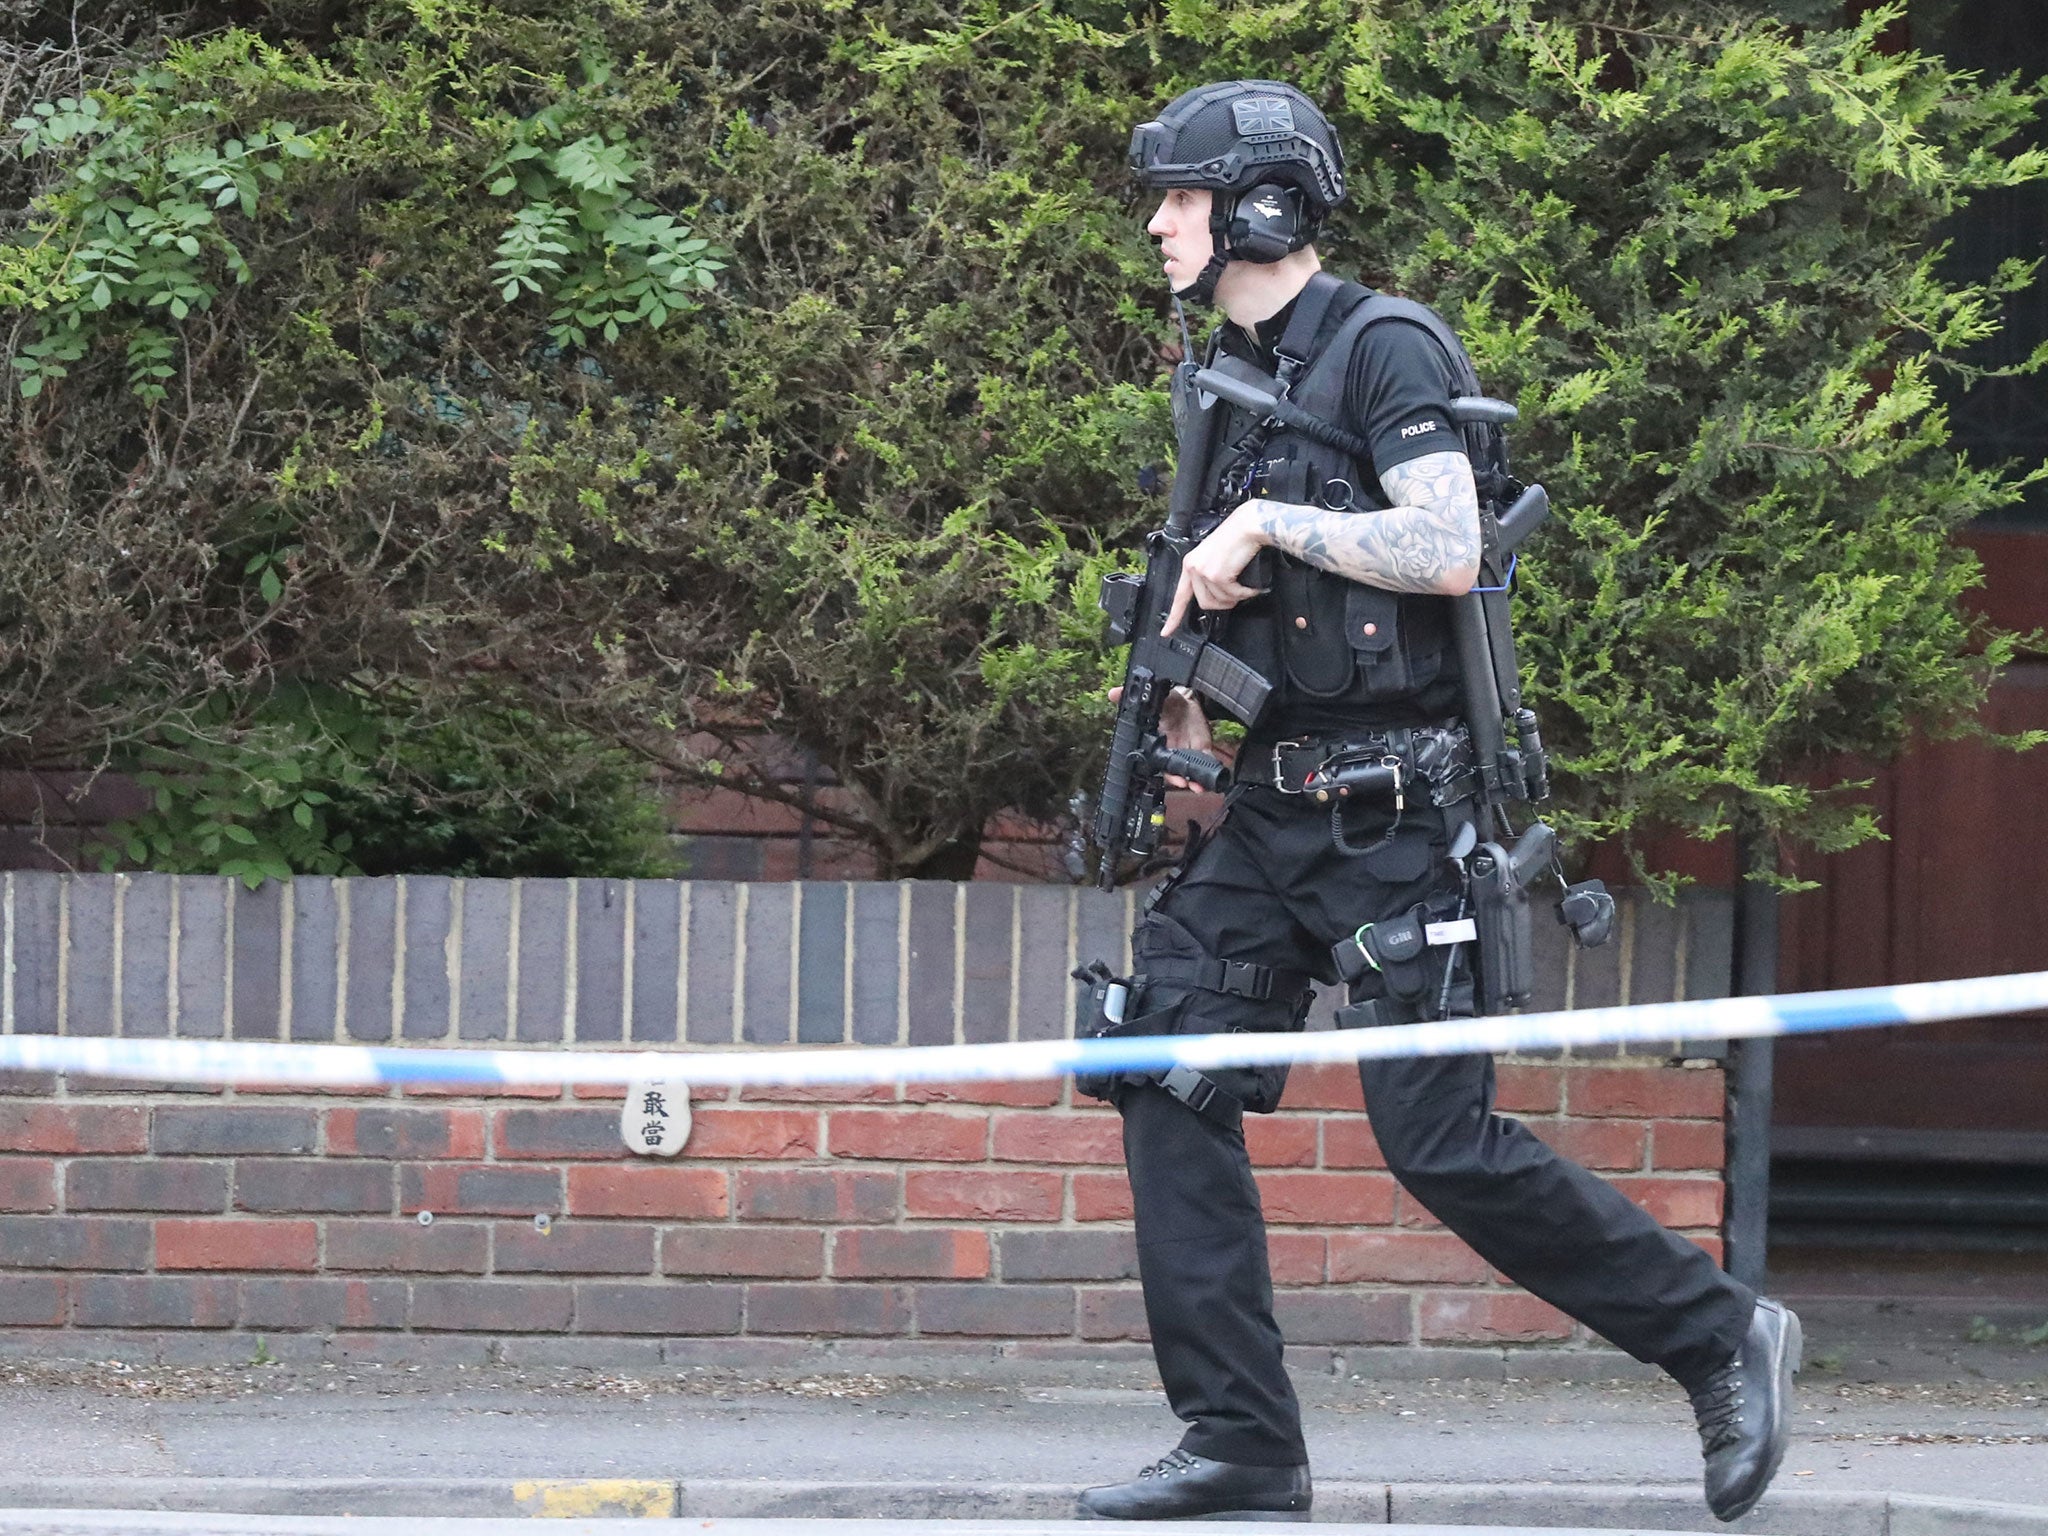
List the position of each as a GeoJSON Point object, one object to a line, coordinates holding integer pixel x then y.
{"type": "Point", "coordinates": [1428, 541]}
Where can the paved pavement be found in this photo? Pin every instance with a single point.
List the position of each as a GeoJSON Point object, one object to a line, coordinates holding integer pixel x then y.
{"type": "Point", "coordinates": [1902, 1408]}
{"type": "Point", "coordinates": [1990, 1439]}
{"type": "Point", "coordinates": [61, 1523]}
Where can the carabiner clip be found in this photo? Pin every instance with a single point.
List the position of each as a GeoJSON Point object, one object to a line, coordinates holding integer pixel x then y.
{"type": "Point", "coordinates": [1358, 938]}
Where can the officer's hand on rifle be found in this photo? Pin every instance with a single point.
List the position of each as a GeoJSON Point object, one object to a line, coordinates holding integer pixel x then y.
{"type": "Point", "coordinates": [1209, 573]}
{"type": "Point", "coordinates": [1185, 724]}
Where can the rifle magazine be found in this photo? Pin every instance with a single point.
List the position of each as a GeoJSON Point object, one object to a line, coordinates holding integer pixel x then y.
{"type": "Point", "coordinates": [1221, 677]}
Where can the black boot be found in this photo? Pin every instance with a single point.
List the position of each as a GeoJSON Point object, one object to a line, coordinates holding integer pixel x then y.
{"type": "Point", "coordinates": [1745, 1412]}
{"type": "Point", "coordinates": [1189, 1487]}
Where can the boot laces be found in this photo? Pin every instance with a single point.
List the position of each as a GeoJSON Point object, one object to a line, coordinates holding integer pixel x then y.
{"type": "Point", "coordinates": [1174, 1461]}
{"type": "Point", "coordinates": [1718, 1408]}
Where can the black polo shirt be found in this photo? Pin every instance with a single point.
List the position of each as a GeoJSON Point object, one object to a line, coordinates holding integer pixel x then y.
{"type": "Point", "coordinates": [1398, 393]}
{"type": "Point", "coordinates": [1397, 397]}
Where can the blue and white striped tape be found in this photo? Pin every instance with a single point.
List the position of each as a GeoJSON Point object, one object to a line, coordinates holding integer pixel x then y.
{"type": "Point", "coordinates": [332, 1066]}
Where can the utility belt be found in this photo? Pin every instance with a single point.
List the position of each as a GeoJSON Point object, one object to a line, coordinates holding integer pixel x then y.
{"type": "Point", "coordinates": [1432, 763]}
{"type": "Point", "coordinates": [1392, 764]}
{"type": "Point", "coordinates": [1472, 950]}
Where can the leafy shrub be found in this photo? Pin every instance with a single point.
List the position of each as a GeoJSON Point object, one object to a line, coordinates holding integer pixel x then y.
{"type": "Point", "coordinates": [861, 494]}
{"type": "Point", "coordinates": [319, 781]}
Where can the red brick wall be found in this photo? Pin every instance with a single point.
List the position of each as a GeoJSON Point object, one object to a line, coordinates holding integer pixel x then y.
{"type": "Point", "coordinates": [190, 1222]}
{"type": "Point", "coordinates": [724, 835]}
{"type": "Point", "coordinates": [199, 1220]}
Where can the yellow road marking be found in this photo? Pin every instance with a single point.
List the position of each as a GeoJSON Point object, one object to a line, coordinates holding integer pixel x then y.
{"type": "Point", "coordinates": [631, 1498]}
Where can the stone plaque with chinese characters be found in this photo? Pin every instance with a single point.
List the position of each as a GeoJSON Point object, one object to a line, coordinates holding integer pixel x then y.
{"type": "Point", "coordinates": [655, 1119]}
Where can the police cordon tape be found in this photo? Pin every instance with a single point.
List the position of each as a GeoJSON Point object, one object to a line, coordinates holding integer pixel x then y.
{"type": "Point", "coordinates": [336, 1066]}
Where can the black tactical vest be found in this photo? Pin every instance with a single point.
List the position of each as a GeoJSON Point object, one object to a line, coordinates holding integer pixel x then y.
{"type": "Point", "coordinates": [1340, 654]}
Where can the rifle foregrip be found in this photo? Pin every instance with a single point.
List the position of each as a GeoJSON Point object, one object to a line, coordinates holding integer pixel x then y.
{"type": "Point", "coordinates": [1251, 397]}
{"type": "Point", "coordinates": [1209, 772]}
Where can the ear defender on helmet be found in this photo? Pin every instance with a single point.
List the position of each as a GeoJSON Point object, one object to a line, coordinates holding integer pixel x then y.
{"type": "Point", "coordinates": [1267, 223]}
{"type": "Point", "coordinates": [1266, 152]}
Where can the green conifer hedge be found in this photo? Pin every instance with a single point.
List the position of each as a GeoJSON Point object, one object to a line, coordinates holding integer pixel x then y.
{"type": "Point", "coordinates": [665, 370]}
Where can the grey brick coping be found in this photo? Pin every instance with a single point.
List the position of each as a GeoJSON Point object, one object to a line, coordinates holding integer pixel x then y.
{"type": "Point", "coordinates": [427, 959]}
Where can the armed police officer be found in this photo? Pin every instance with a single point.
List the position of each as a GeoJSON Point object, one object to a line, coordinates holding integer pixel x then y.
{"type": "Point", "coordinates": [1328, 563]}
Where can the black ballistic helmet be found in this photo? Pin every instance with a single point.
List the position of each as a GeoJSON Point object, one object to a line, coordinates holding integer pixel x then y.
{"type": "Point", "coordinates": [1265, 151]}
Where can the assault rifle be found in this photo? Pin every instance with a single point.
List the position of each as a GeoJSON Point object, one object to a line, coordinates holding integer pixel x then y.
{"type": "Point", "coordinates": [1131, 809]}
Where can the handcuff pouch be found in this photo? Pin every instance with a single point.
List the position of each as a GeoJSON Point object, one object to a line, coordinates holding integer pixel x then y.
{"type": "Point", "coordinates": [1396, 949]}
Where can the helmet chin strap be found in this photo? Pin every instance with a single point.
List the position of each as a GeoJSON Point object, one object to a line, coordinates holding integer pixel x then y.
{"type": "Point", "coordinates": [1222, 206]}
{"type": "Point", "coordinates": [1203, 289]}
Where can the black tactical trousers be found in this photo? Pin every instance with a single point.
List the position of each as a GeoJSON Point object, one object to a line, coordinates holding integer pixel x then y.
{"type": "Point", "coordinates": [1268, 887]}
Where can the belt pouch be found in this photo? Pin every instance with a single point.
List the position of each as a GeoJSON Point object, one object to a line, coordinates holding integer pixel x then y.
{"type": "Point", "coordinates": [1396, 949]}
{"type": "Point", "coordinates": [1105, 1010]}
{"type": "Point", "coordinates": [1310, 615]}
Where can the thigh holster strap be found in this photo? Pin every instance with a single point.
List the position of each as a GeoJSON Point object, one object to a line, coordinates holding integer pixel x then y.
{"type": "Point", "coordinates": [1203, 1095]}
{"type": "Point", "coordinates": [1237, 978]}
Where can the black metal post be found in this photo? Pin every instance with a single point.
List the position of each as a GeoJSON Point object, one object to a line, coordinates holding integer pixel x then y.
{"type": "Point", "coordinates": [803, 831]}
{"type": "Point", "coordinates": [1750, 1063]}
